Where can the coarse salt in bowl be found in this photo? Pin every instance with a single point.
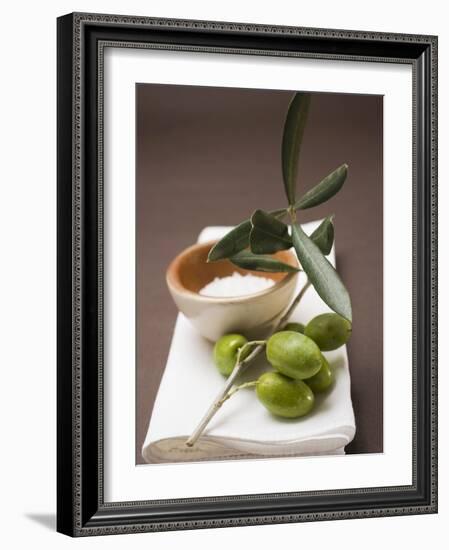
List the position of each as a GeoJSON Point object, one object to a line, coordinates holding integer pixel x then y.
{"type": "Point", "coordinates": [253, 314]}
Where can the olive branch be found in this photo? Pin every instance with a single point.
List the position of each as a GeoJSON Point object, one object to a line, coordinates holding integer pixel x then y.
{"type": "Point", "coordinates": [250, 244]}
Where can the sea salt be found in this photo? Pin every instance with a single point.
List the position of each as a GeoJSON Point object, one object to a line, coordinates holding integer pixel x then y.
{"type": "Point", "coordinates": [236, 285]}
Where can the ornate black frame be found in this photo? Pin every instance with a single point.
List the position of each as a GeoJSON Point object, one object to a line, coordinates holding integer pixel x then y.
{"type": "Point", "coordinates": [81, 508]}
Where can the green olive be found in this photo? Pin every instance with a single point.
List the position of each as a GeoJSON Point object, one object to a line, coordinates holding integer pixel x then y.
{"type": "Point", "coordinates": [295, 327]}
{"type": "Point", "coordinates": [329, 331]}
{"type": "Point", "coordinates": [322, 380]}
{"type": "Point", "coordinates": [293, 354]}
{"type": "Point", "coordinates": [283, 396]}
{"type": "Point", "coordinates": [226, 350]}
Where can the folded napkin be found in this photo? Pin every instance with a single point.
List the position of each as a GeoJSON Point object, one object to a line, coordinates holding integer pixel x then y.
{"type": "Point", "coordinates": [242, 428]}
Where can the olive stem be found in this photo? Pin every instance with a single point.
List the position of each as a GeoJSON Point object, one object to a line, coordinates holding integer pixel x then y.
{"type": "Point", "coordinates": [239, 367]}
{"type": "Point", "coordinates": [246, 346]}
{"type": "Point", "coordinates": [235, 389]}
{"type": "Point", "coordinates": [292, 213]}
{"type": "Point", "coordinates": [292, 306]}
{"type": "Point", "coordinates": [221, 397]}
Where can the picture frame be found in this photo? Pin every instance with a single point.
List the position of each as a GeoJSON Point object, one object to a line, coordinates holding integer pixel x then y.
{"type": "Point", "coordinates": [81, 506]}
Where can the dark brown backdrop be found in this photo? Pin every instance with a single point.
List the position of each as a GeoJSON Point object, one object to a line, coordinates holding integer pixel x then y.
{"type": "Point", "coordinates": [210, 156]}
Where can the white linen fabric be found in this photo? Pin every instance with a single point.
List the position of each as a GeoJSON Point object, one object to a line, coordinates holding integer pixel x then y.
{"type": "Point", "coordinates": [242, 428]}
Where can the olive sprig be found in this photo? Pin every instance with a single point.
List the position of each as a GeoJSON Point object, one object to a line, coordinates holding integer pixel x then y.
{"type": "Point", "coordinates": [250, 244]}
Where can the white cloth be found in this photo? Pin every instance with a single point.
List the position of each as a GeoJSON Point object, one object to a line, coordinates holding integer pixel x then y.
{"type": "Point", "coordinates": [242, 427]}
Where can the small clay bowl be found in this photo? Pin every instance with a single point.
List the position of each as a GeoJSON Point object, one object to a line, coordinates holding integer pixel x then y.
{"type": "Point", "coordinates": [252, 315]}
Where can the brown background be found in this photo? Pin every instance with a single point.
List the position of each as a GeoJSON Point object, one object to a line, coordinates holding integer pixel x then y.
{"type": "Point", "coordinates": [210, 156]}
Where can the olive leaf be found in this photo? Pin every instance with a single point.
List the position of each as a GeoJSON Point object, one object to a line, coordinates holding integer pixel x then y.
{"type": "Point", "coordinates": [268, 234]}
{"type": "Point", "coordinates": [323, 236]}
{"type": "Point", "coordinates": [235, 240]}
{"type": "Point", "coordinates": [295, 123]}
{"type": "Point", "coordinates": [256, 262]}
{"type": "Point", "coordinates": [324, 190]}
{"type": "Point", "coordinates": [321, 273]}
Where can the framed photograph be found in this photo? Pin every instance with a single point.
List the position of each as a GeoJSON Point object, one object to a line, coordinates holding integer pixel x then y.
{"type": "Point", "coordinates": [247, 278]}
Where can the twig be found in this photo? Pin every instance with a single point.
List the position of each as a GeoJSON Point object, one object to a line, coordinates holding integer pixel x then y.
{"type": "Point", "coordinates": [293, 305]}
{"type": "Point", "coordinates": [235, 389]}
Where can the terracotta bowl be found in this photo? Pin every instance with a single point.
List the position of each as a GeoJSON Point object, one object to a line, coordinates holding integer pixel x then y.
{"type": "Point", "coordinates": [252, 315]}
